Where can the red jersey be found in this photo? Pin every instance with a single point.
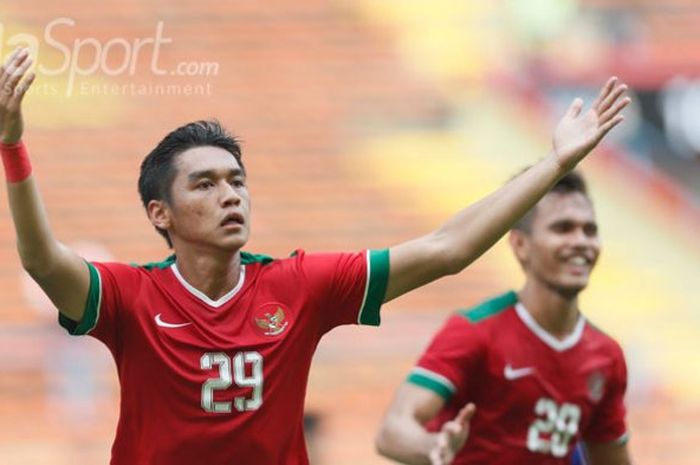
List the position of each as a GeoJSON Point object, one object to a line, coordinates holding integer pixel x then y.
{"type": "Point", "coordinates": [535, 396]}
{"type": "Point", "coordinates": [223, 382]}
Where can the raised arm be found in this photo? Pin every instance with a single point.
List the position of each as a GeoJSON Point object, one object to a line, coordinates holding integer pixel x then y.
{"type": "Point", "coordinates": [62, 274]}
{"type": "Point", "coordinates": [473, 230]}
{"type": "Point", "coordinates": [403, 437]}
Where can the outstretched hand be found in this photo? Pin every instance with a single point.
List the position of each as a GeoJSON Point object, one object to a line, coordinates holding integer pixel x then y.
{"type": "Point", "coordinates": [13, 87]}
{"type": "Point", "coordinates": [578, 133]}
{"type": "Point", "coordinates": [452, 437]}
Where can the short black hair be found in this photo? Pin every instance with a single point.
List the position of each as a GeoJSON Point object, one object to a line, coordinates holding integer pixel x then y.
{"type": "Point", "coordinates": [158, 168]}
{"type": "Point", "coordinates": [568, 184]}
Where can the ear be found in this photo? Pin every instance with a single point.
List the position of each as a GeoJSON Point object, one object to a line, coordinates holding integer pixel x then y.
{"type": "Point", "coordinates": [159, 214]}
{"type": "Point", "coordinates": [520, 244]}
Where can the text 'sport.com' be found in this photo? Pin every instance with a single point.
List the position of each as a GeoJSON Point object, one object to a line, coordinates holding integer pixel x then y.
{"type": "Point", "coordinates": [117, 56]}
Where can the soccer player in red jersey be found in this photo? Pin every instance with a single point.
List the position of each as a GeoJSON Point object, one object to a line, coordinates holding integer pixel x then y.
{"type": "Point", "coordinates": [524, 375]}
{"type": "Point", "coordinates": [213, 345]}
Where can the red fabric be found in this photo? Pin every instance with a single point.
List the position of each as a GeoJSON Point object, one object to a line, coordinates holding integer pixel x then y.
{"type": "Point", "coordinates": [162, 370]}
{"type": "Point", "coordinates": [589, 377]}
{"type": "Point", "coordinates": [15, 158]}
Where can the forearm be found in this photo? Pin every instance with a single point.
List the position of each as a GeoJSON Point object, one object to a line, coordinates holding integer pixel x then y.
{"type": "Point", "coordinates": [475, 229]}
{"type": "Point", "coordinates": [36, 244]}
{"type": "Point", "coordinates": [406, 441]}
{"type": "Point", "coordinates": [469, 233]}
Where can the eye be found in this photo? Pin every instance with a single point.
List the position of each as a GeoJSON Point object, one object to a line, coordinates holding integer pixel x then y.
{"type": "Point", "coordinates": [204, 185]}
{"type": "Point", "coordinates": [562, 227]}
{"type": "Point", "coordinates": [590, 230]}
{"type": "Point", "coordinates": [238, 182]}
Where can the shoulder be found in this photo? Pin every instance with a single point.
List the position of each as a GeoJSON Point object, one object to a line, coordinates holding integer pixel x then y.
{"type": "Point", "coordinates": [606, 349]}
{"type": "Point", "coordinates": [478, 319]}
{"type": "Point", "coordinates": [489, 309]}
{"type": "Point", "coordinates": [602, 339]}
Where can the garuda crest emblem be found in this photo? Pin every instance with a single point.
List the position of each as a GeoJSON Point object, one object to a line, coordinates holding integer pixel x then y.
{"type": "Point", "coordinates": [271, 320]}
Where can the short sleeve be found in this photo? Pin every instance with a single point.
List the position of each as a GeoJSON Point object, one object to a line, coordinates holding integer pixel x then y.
{"type": "Point", "coordinates": [347, 288]}
{"type": "Point", "coordinates": [451, 358]}
{"type": "Point", "coordinates": [104, 302]}
{"type": "Point", "coordinates": [608, 420]}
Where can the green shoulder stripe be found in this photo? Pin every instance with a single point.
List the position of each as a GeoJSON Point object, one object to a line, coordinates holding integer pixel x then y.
{"type": "Point", "coordinates": [246, 259]}
{"type": "Point", "coordinates": [375, 287]}
{"type": "Point", "coordinates": [490, 307]}
{"type": "Point", "coordinates": [157, 265]}
{"type": "Point", "coordinates": [92, 307]}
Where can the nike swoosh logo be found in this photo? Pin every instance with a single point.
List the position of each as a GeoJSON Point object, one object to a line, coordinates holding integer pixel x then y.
{"type": "Point", "coordinates": [514, 373]}
{"type": "Point", "coordinates": [165, 324]}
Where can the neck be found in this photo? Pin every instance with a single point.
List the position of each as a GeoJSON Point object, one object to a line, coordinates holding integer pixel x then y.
{"type": "Point", "coordinates": [554, 312]}
{"type": "Point", "coordinates": [213, 273]}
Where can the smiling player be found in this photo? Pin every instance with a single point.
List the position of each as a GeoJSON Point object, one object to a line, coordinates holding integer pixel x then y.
{"type": "Point", "coordinates": [539, 374]}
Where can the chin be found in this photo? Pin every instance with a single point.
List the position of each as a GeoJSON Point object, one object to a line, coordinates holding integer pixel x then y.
{"type": "Point", "coordinates": [570, 290]}
{"type": "Point", "coordinates": [234, 243]}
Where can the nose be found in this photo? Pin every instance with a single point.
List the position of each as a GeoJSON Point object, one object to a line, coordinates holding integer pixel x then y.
{"type": "Point", "coordinates": [228, 195]}
{"type": "Point", "coordinates": [581, 240]}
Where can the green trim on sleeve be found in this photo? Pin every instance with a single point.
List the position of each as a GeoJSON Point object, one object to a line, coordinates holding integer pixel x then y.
{"type": "Point", "coordinates": [375, 290]}
{"type": "Point", "coordinates": [92, 307]}
{"type": "Point", "coordinates": [432, 384]}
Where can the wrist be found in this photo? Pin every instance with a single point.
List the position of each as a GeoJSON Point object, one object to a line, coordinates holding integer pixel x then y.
{"type": "Point", "coordinates": [9, 144]}
{"type": "Point", "coordinates": [553, 160]}
{"type": "Point", "coordinates": [15, 159]}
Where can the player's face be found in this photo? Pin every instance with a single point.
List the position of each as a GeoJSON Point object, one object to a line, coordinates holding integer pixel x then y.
{"type": "Point", "coordinates": [563, 245]}
{"type": "Point", "coordinates": [210, 203]}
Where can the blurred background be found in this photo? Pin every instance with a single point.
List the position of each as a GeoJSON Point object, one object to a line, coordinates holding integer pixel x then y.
{"type": "Point", "coordinates": [364, 123]}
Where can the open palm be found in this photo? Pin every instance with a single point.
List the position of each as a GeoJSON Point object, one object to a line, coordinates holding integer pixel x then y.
{"type": "Point", "coordinates": [12, 90]}
{"type": "Point", "coordinates": [579, 132]}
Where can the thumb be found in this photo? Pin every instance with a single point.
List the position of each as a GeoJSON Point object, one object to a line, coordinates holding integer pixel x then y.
{"type": "Point", "coordinates": [465, 414]}
{"type": "Point", "coordinates": [574, 108]}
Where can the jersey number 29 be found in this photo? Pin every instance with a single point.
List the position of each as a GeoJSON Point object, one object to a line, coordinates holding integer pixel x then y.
{"type": "Point", "coordinates": [227, 376]}
{"type": "Point", "coordinates": [558, 422]}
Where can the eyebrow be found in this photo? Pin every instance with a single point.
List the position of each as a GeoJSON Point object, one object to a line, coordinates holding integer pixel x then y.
{"type": "Point", "coordinates": [569, 221]}
{"type": "Point", "coordinates": [232, 173]}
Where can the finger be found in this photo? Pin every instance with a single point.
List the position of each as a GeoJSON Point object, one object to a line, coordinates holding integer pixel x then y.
{"type": "Point", "coordinates": [453, 428]}
{"type": "Point", "coordinates": [442, 439]}
{"type": "Point", "coordinates": [435, 458]}
{"type": "Point", "coordinates": [10, 70]}
{"type": "Point", "coordinates": [604, 129]}
{"type": "Point", "coordinates": [16, 61]}
{"type": "Point", "coordinates": [574, 108]}
{"type": "Point", "coordinates": [614, 110]}
{"type": "Point", "coordinates": [465, 414]}
{"type": "Point", "coordinates": [607, 127]}
{"type": "Point", "coordinates": [21, 91]}
{"type": "Point", "coordinates": [7, 91]}
{"type": "Point", "coordinates": [11, 57]}
{"type": "Point", "coordinates": [610, 99]}
{"type": "Point", "coordinates": [17, 75]}
{"type": "Point", "coordinates": [609, 86]}
{"type": "Point", "coordinates": [7, 65]}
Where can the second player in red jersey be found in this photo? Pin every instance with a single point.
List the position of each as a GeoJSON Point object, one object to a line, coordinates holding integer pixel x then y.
{"type": "Point", "coordinates": [541, 377]}
{"type": "Point", "coordinates": [537, 396]}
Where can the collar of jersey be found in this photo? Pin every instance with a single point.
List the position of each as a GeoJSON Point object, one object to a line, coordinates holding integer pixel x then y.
{"type": "Point", "coordinates": [202, 296]}
{"type": "Point", "coordinates": [559, 345]}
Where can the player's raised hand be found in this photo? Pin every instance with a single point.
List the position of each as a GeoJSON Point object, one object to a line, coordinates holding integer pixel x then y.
{"type": "Point", "coordinates": [452, 437]}
{"type": "Point", "coordinates": [13, 87]}
{"type": "Point", "coordinates": [579, 132]}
